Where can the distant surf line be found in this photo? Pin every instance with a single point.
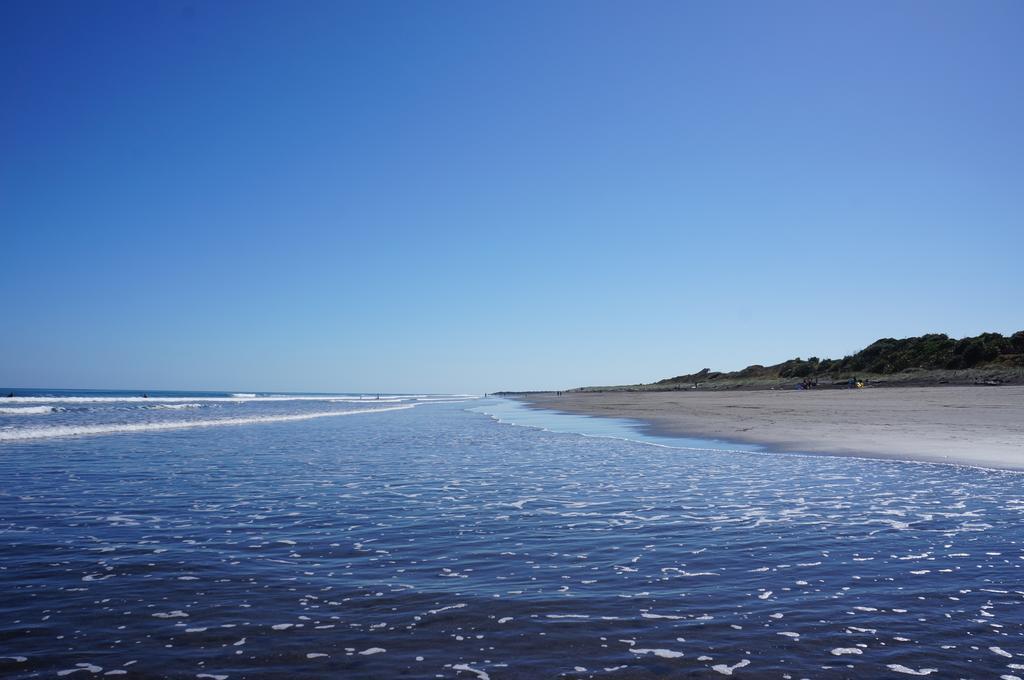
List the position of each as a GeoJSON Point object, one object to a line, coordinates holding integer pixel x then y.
{"type": "Point", "coordinates": [121, 428]}
{"type": "Point", "coordinates": [238, 398]}
{"type": "Point", "coordinates": [169, 400]}
{"type": "Point", "coordinates": [25, 410]}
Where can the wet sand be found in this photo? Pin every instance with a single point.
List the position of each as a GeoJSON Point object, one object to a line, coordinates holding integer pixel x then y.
{"type": "Point", "coordinates": [973, 425]}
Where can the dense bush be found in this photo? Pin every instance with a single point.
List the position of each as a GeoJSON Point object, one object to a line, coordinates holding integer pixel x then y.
{"type": "Point", "coordinates": [934, 351]}
{"type": "Point", "coordinates": [1017, 342]}
{"type": "Point", "coordinates": [889, 355]}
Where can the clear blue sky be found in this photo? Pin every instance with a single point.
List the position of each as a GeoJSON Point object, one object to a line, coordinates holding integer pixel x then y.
{"type": "Point", "coordinates": [469, 196]}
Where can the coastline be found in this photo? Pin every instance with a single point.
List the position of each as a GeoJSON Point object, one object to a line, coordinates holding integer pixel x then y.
{"type": "Point", "coordinates": [970, 425]}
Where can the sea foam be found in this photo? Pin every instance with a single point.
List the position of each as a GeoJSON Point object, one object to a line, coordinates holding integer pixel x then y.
{"type": "Point", "coordinates": [113, 428]}
{"type": "Point", "coordinates": [152, 400]}
{"type": "Point", "coordinates": [25, 410]}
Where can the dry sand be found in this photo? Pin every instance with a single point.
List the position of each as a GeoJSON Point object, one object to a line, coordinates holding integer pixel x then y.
{"type": "Point", "coordinates": [973, 425]}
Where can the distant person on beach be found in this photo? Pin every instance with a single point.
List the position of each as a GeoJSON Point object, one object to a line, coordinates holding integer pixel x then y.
{"type": "Point", "coordinates": [11, 395]}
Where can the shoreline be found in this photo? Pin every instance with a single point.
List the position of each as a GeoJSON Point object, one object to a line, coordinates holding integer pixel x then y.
{"type": "Point", "coordinates": [981, 426]}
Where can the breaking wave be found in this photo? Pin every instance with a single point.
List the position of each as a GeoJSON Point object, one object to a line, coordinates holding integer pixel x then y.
{"type": "Point", "coordinates": [150, 400]}
{"type": "Point", "coordinates": [25, 410]}
{"type": "Point", "coordinates": [114, 428]}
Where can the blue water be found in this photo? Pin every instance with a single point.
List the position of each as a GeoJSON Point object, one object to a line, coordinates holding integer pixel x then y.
{"type": "Point", "coordinates": [438, 541]}
{"type": "Point", "coordinates": [95, 412]}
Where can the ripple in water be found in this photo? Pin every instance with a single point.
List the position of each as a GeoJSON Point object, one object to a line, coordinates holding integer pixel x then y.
{"type": "Point", "coordinates": [436, 542]}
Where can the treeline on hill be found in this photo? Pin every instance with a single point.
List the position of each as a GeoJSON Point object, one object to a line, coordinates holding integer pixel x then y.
{"type": "Point", "coordinates": [887, 356]}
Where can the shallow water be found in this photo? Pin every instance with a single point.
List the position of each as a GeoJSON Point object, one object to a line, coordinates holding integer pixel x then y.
{"type": "Point", "coordinates": [437, 542]}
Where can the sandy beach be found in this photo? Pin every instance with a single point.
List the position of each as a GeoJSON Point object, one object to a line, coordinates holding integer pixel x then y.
{"type": "Point", "coordinates": [973, 425]}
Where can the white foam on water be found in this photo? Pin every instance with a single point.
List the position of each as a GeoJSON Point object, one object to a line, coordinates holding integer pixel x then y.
{"type": "Point", "coordinates": [900, 668]}
{"type": "Point", "coordinates": [727, 670]}
{"type": "Point", "coordinates": [118, 428]}
{"type": "Point", "coordinates": [161, 400]}
{"type": "Point", "coordinates": [466, 667]}
{"type": "Point", "coordinates": [25, 410]}
{"type": "Point", "coordinates": [88, 667]}
{"type": "Point", "coordinates": [444, 609]}
{"type": "Point", "coordinates": [663, 653]}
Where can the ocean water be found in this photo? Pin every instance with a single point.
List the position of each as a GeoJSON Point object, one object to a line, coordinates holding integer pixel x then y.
{"type": "Point", "coordinates": [254, 536]}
